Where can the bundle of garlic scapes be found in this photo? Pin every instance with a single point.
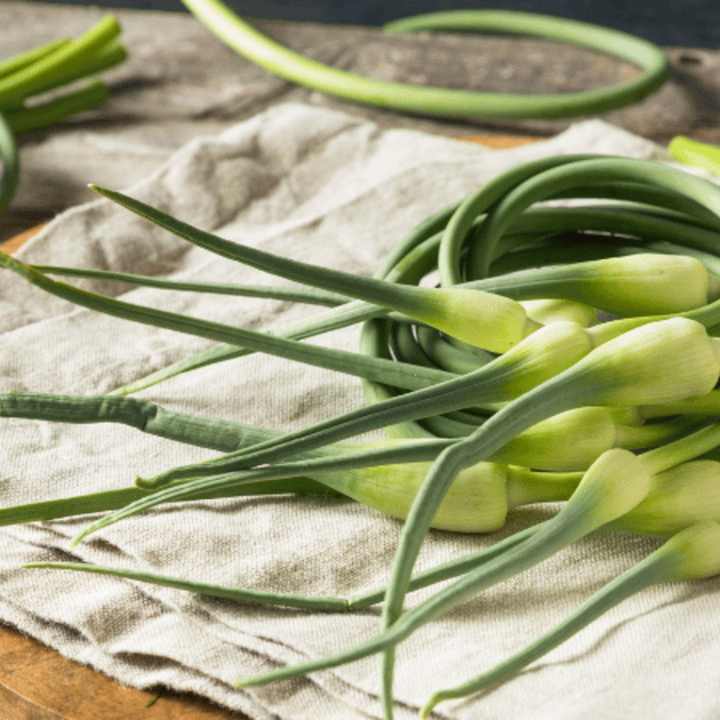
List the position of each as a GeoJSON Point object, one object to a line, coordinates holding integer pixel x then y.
{"type": "Point", "coordinates": [27, 82]}
{"type": "Point", "coordinates": [483, 358]}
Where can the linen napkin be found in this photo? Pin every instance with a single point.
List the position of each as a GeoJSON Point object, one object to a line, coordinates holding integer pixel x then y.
{"type": "Point", "coordinates": [335, 190]}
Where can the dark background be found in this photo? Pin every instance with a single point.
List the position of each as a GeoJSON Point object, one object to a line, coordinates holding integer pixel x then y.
{"type": "Point", "coordinates": [686, 23]}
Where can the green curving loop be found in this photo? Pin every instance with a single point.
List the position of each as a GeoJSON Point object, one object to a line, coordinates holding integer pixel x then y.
{"type": "Point", "coordinates": [293, 66]}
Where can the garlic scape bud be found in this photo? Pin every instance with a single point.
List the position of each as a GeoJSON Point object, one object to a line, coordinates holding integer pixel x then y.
{"type": "Point", "coordinates": [569, 441]}
{"type": "Point", "coordinates": [574, 439]}
{"type": "Point", "coordinates": [550, 311]}
{"type": "Point", "coordinates": [679, 497]}
{"type": "Point", "coordinates": [477, 502]}
{"type": "Point", "coordinates": [484, 320]}
{"type": "Point", "coordinates": [691, 554]}
{"type": "Point", "coordinates": [541, 356]}
{"type": "Point", "coordinates": [694, 553]}
{"type": "Point", "coordinates": [627, 285]}
{"type": "Point", "coordinates": [648, 284]}
{"type": "Point", "coordinates": [660, 362]}
{"type": "Point", "coordinates": [642, 284]}
{"type": "Point", "coordinates": [489, 321]}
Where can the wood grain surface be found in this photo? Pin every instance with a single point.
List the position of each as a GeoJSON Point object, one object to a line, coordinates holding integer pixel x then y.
{"type": "Point", "coordinates": [37, 683]}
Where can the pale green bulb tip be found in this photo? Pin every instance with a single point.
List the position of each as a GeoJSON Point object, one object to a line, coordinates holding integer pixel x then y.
{"type": "Point", "coordinates": [698, 548]}
{"type": "Point", "coordinates": [692, 152]}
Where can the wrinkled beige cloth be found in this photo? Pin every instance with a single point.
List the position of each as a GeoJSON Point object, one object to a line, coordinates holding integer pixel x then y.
{"type": "Point", "coordinates": [336, 190]}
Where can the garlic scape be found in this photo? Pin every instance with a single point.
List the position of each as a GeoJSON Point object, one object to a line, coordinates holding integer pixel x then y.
{"type": "Point", "coordinates": [10, 161]}
{"type": "Point", "coordinates": [308, 296]}
{"type": "Point", "coordinates": [483, 319]}
{"type": "Point", "coordinates": [641, 284]}
{"type": "Point", "coordinates": [397, 374]}
{"type": "Point", "coordinates": [689, 232]}
{"type": "Point", "coordinates": [638, 284]}
{"type": "Point", "coordinates": [247, 40]}
{"type": "Point", "coordinates": [29, 75]}
{"type": "Point", "coordinates": [439, 573]}
{"type": "Point", "coordinates": [679, 497]}
{"type": "Point", "coordinates": [691, 554]}
{"type": "Point", "coordinates": [615, 483]}
{"type": "Point", "coordinates": [382, 474]}
{"type": "Point", "coordinates": [27, 78]}
{"type": "Point", "coordinates": [539, 356]}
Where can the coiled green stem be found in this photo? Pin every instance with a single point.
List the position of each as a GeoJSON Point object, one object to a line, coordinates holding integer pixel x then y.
{"type": "Point", "coordinates": [455, 103]}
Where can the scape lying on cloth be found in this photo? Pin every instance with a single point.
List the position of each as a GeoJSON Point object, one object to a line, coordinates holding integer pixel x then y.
{"type": "Point", "coordinates": [327, 188]}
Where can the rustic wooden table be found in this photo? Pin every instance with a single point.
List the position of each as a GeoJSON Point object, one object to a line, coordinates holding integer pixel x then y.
{"type": "Point", "coordinates": [180, 82]}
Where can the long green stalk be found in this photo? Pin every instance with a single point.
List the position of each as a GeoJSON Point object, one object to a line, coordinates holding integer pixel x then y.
{"type": "Point", "coordinates": [567, 176]}
{"type": "Point", "coordinates": [54, 111]}
{"type": "Point", "coordinates": [443, 102]}
{"type": "Point", "coordinates": [342, 361]}
{"type": "Point", "coordinates": [290, 294]}
{"type": "Point", "coordinates": [692, 554]}
{"type": "Point", "coordinates": [22, 60]}
{"type": "Point", "coordinates": [614, 485]}
{"type": "Point", "coordinates": [484, 319]}
{"type": "Point", "coordinates": [59, 63]}
{"type": "Point", "coordinates": [445, 571]}
{"type": "Point", "coordinates": [109, 500]}
{"type": "Point", "coordinates": [45, 68]}
{"type": "Point", "coordinates": [613, 285]}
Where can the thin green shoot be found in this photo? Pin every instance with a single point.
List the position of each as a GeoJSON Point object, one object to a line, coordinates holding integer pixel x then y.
{"type": "Point", "coordinates": [295, 67]}
{"type": "Point", "coordinates": [483, 319]}
{"type": "Point", "coordinates": [692, 554]}
{"type": "Point", "coordinates": [615, 484]}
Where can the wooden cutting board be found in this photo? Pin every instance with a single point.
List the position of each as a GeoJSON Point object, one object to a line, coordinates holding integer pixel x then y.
{"type": "Point", "coordinates": [37, 683]}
